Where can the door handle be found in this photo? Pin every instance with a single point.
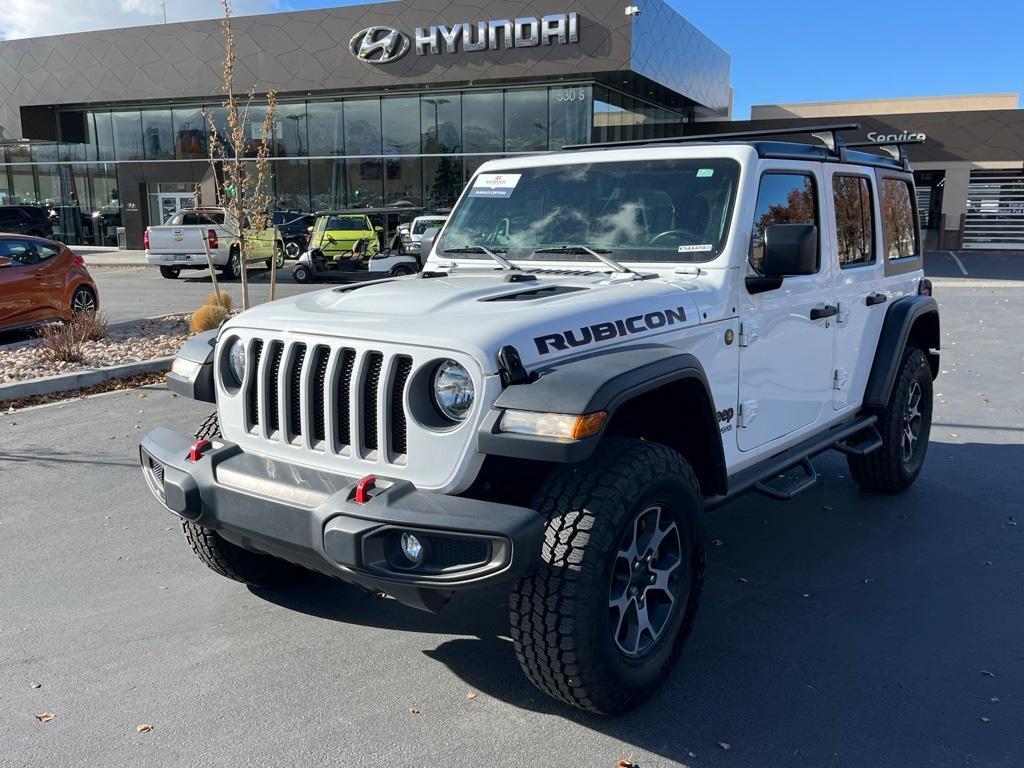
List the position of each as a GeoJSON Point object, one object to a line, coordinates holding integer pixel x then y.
{"type": "Point", "coordinates": [875, 298]}
{"type": "Point", "coordinates": [818, 313]}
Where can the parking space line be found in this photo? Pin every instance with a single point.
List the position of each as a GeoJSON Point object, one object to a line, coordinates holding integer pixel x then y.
{"type": "Point", "coordinates": [959, 263]}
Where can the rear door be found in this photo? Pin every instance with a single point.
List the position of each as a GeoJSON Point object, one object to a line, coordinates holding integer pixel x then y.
{"type": "Point", "coordinates": [785, 379]}
{"type": "Point", "coordinates": [859, 279]}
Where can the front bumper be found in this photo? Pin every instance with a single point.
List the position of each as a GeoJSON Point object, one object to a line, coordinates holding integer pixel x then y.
{"type": "Point", "coordinates": [309, 517]}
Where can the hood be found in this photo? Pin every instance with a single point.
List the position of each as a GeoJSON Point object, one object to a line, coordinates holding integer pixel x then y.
{"type": "Point", "coordinates": [478, 313]}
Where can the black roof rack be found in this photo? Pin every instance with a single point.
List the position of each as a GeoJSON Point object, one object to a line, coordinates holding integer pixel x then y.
{"type": "Point", "coordinates": [827, 134]}
{"type": "Point", "coordinates": [892, 148]}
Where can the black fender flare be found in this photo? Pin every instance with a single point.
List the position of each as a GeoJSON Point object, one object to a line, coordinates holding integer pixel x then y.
{"type": "Point", "coordinates": [601, 381]}
{"type": "Point", "coordinates": [912, 318]}
{"type": "Point", "coordinates": [195, 383]}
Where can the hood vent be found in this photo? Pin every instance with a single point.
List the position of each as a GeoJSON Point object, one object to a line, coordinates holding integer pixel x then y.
{"type": "Point", "coordinates": [537, 293]}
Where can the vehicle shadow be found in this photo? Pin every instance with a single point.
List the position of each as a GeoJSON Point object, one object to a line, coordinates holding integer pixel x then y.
{"type": "Point", "coordinates": [844, 627]}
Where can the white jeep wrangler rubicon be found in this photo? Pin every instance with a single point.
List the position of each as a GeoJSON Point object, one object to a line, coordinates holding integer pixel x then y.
{"type": "Point", "coordinates": [605, 344]}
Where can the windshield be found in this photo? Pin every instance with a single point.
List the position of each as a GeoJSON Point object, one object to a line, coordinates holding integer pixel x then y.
{"type": "Point", "coordinates": [343, 223]}
{"type": "Point", "coordinates": [637, 210]}
{"type": "Point", "coordinates": [422, 225]}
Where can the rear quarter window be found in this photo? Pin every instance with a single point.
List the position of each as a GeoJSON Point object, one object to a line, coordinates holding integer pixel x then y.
{"type": "Point", "coordinates": [899, 225]}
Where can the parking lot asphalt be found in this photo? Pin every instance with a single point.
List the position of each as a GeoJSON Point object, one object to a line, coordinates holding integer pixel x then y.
{"type": "Point", "coordinates": [839, 629]}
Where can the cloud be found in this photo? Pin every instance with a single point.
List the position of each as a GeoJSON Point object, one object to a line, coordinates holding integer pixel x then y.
{"type": "Point", "coordinates": [32, 18]}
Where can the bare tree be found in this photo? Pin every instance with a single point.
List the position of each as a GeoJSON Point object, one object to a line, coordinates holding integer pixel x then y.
{"type": "Point", "coordinates": [239, 158]}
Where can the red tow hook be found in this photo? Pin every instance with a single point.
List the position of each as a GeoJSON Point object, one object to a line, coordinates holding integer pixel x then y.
{"type": "Point", "coordinates": [363, 488]}
{"type": "Point", "coordinates": [199, 447]}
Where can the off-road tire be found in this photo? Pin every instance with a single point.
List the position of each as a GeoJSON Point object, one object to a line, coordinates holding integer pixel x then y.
{"type": "Point", "coordinates": [234, 562]}
{"type": "Point", "coordinates": [229, 559]}
{"type": "Point", "coordinates": [170, 273]}
{"type": "Point", "coordinates": [560, 615]}
{"type": "Point", "coordinates": [884, 470]}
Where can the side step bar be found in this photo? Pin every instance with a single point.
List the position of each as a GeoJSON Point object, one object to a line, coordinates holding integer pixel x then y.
{"type": "Point", "coordinates": [781, 463]}
{"type": "Point", "coordinates": [787, 489]}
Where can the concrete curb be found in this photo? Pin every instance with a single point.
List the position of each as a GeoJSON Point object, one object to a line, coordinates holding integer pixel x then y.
{"type": "Point", "coordinates": [89, 377]}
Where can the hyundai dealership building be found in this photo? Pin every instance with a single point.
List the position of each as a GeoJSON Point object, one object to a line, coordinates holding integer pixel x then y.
{"type": "Point", "coordinates": [396, 104]}
{"type": "Point", "coordinates": [390, 104]}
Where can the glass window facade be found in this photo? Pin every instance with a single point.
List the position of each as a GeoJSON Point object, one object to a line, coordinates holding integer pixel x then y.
{"type": "Point", "coordinates": [412, 150]}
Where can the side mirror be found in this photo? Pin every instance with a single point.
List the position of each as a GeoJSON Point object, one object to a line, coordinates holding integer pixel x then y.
{"type": "Point", "coordinates": [790, 249]}
{"type": "Point", "coordinates": [378, 228]}
{"type": "Point", "coordinates": [5, 261]}
{"type": "Point", "coordinates": [427, 242]}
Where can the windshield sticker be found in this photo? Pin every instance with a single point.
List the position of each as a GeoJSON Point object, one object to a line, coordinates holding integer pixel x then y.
{"type": "Point", "coordinates": [494, 184]}
{"type": "Point", "coordinates": [702, 248]}
{"type": "Point", "coordinates": [705, 173]}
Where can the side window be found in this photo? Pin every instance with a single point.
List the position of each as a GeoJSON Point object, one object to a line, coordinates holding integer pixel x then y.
{"type": "Point", "coordinates": [854, 220]}
{"type": "Point", "coordinates": [783, 198]}
{"type": "Point", "coordinates": [46, 252]}
{"type": "Point", "coordinates": [22, 252]}
{"type": "Point", "coordinates": [898, 224]}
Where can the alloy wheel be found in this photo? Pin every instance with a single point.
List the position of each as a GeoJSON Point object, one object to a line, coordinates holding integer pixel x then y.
{"type": "Point", "coordinates": [83, 301]}
{"type": "Point", "coordinates": [645, 580]}
{"type": "Point", "coordinates": [912, 420]}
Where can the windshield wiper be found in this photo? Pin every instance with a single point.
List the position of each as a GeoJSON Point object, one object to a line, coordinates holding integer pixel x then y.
{"type": "Point", "coordinates": [505, 263]}
{"type": "Point", "coordinates": [601, 254]}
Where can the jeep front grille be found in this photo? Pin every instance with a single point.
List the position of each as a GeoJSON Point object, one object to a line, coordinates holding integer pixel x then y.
{"type": "Point", "coordinates": [331, 399]}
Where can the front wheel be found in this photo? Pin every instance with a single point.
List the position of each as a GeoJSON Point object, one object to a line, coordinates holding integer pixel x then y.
{"type": "Point", "coordinates": [602, 621]}
{"type": "Point", "coordinates": [302, 274]}
{"type": "Point", "coordinates": [904, 426]}
{"type": "Point", "coordinates": [170, 273]}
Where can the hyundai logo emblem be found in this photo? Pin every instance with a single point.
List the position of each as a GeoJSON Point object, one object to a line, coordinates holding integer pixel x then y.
{"type": "Point", "coordinates": [379, 45]}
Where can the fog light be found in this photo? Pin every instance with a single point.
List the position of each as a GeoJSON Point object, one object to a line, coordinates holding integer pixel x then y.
{"type": "Point", "coordinates": [412, 548]}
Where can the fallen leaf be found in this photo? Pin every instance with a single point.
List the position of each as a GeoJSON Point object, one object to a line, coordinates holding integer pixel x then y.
{"type": "Point", "coordinates": [413, 711]}
{"type": "Point", "coordinates": [163, 588]}
{"type": "Point", "coordinates": [953, 434]}
{"type": "Point", "coordinates": [984, 719]}
{"type": "Point", "coordinates": [806, 594]}
{"type": "Point", "coordinates": [725, 745]}
{"type": "Point", "coordinates": [986, 673]}
{"type": "Point", "coordinates": [827, 509]}
{"type": "Point", "coordinates": [742, 580]}
{"type": "Point", "coordinates": [36, 684]}
{"type": "Point", "coordinates": [143, 728]}
{"type": "Point", "coordinates": [718, 542]}
{"type": "Point", "coordinates": [994, 699]}
{"type": "Point", "coordinates": [626, 762]}
{"type": "Point", "coordinates": [45, 717]}
{"type": "Point", "coordinates": [1011, 521]}
{"type": "Point", "coordinates": [868, 581]}
{"type": "Point", "coordinates": [471, 695]}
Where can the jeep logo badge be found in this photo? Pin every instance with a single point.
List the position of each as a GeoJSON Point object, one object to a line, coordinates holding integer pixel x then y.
{"type": "Point", "coordinates": [379, 45]}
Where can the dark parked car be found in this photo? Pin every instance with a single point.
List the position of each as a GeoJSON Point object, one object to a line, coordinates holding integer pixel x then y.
{"type": "Point", "coordinates": [42, 280]}
{"type": "Point", "coordinates": [26, 220]}
{"type": "Point", "coordinates": [294, 228]}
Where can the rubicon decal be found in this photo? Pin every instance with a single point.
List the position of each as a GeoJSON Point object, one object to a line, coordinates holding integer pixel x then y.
{"type": "Point", "coordinates": [591, 334]}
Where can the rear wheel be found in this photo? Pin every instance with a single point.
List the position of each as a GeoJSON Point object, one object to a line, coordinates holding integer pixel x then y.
{"type": "Point", "coordinates": [83, 300]}
{"type": "Point", "coordinates": [278, 257]}
{"type": "Point", "coordinates": [904, 426]}
{"type": "Point", "coordinates": [171, 273]}
{"type": "Point", "coordinates": [233, 269]}
{"type": "Point", "coordinates": [603, 619]}
{"type": "Point", "coordinates": [400, 270]}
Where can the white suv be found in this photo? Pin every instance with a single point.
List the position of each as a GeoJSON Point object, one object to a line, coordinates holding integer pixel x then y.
{"type": "Point", "coordinates": [605, 344]}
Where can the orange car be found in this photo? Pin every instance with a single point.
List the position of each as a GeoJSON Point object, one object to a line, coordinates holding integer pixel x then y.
{"type": "Point", "coordinates": [41, 280]}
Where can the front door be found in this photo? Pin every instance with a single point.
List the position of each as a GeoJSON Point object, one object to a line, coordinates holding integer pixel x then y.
{"type": "Point", "coordinates": [785, 379]}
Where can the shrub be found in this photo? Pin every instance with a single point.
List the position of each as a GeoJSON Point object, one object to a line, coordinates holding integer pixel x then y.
{"type": "Point", "coordinates": [66, 341]}
{"type": "Point", "coordinates": [222, 298]}
{"type": "Point", "coordinates": [207, 318]}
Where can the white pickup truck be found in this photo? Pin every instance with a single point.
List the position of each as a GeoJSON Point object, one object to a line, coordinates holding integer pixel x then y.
{"type": "Point", "coordinates": [179, 244]}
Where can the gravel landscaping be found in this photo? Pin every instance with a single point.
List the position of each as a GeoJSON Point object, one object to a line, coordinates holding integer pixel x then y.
{"type": "Point", "coordinates": [125, 343]}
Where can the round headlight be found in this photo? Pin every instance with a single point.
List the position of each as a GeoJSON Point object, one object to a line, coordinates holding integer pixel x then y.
{"type": "Point", "coordinates": [236, 361]}
{"type": "Point", "coordinates": [453, 390]}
